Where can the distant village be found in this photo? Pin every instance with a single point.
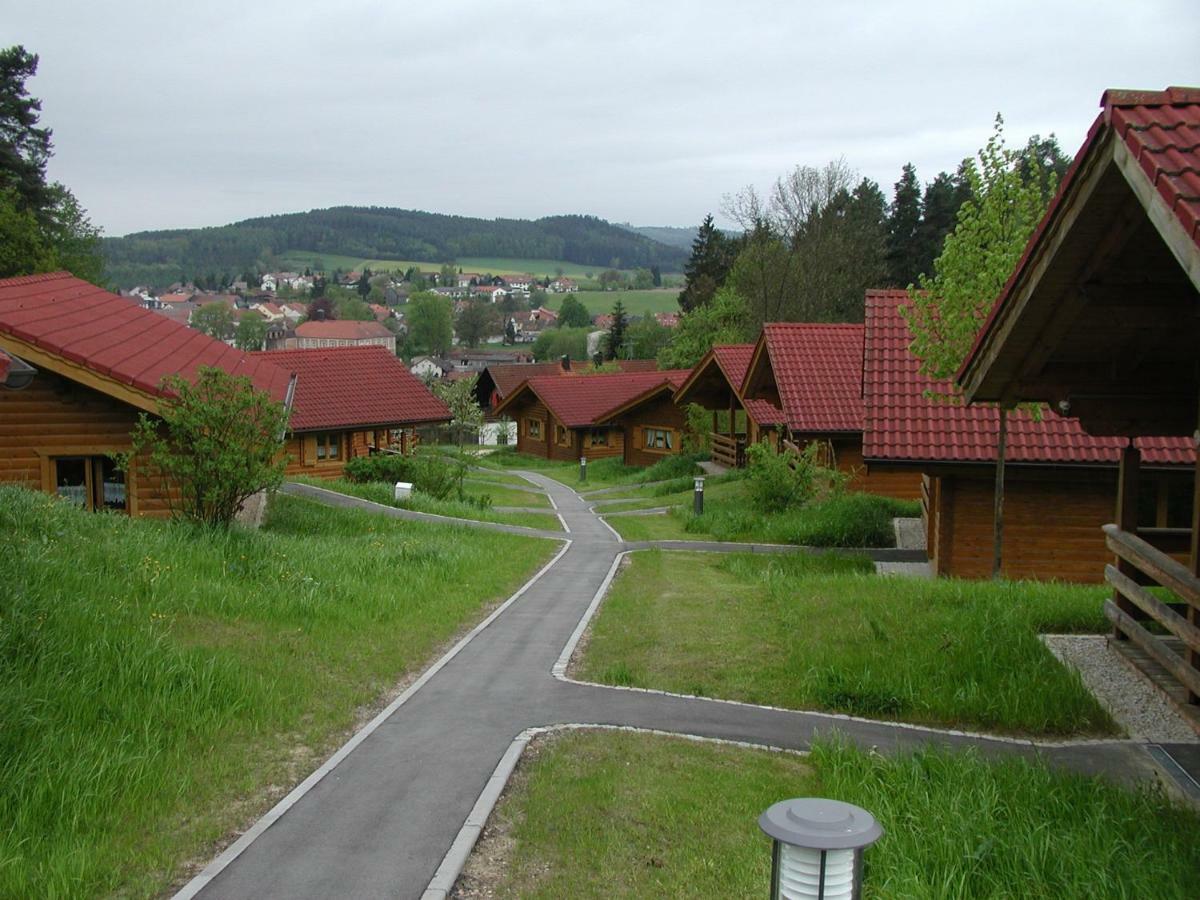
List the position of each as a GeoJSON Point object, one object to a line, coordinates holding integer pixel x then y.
{"type": "Point", "coordinates": [281, 300]}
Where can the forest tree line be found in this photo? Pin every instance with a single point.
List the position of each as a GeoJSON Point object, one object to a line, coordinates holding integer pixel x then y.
{"type": "Point", "coordinates": [159, 258]}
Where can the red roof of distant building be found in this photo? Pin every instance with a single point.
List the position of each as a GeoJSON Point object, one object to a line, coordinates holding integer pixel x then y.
{"type": "Point", "coordinates": [734, 360]}
{"type": "Point", "coordinates": [903, 424]}
{"type": "Point", "coordinates": [115, 337]}
{"type": "Point", "coordinates": [818, 372]}
{"type": "Point", "coordinates": [346, 387]}
{"type": "Point", "coordinates": [667, 319]}
{"type": "Point", "coordinates": [1161, 130]}
{"type": "Point", "coordinates": [507, 378]}
{"type": "Point", "coordinates": [579, 402]}
{"type": "Point", "coordinates": [342, 329]}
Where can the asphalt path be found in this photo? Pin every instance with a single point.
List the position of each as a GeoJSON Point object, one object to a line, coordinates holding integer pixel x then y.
{"type": "Point", "coordinates": [378, 819]}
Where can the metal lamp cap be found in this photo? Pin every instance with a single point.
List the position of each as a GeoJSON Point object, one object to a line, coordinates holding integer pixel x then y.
{"type": "Point", "coordinates": [820, 824]}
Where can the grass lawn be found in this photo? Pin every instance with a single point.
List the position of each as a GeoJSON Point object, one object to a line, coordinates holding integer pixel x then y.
{"type": "Point", "coordinates": [502, 496]}
{"type": "Point", "coordinates": [382, 492]}
{"type": "Point", "coordinates": [844, 520]}
{"type": "Point", "coordinates": [161, 686]}
{"type": "Point", "coordinates": [807, 632]}
{"type": "Point", "coordinates": [601, 473]}
{"type": "Point", "coordinates": [483, 478]}
{"type": "Point", "coordinates": [598, 814]}
{"type": "Point", "coordinates": [636, 303]}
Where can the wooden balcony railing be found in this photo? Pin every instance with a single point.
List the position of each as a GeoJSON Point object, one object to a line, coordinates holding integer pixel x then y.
{"type": "Point", "coordinates": [1177, 651]}
{"type": "Point", "coordinates": [728, 450]}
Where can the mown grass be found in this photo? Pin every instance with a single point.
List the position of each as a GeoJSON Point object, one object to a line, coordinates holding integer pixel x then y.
{"type": "Point", "coordinates": [496, 265]}
{"type": "Point", "coordinates": [636, 303]}
{"type": "Point", "coordinates": [504, 496]}
{"type": "Point", "coordinates": [842, 520]}
{"type": "Point", "coordinates": [156, 679]}
{"type": "Point", "coordinates": [384, 493]}
{"type": "Point", "coordinates": [615, 814]}
{"type": "Point", "coordinates": [601, 473]}
{"type": "Point", "coordinates": [786, 631]}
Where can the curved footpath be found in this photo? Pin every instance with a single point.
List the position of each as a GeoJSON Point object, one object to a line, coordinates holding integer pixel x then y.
{"type": "Point", "coordinates": [378, 818]}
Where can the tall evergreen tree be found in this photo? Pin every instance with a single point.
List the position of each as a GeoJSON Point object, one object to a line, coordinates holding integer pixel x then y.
{"type": "Point", "coordinates": [24, 147]}
{"type": "Point", "coordinates": [712, 257]}
{"type": "Point", "coordinates": [939, 207]}
{"type": "Point", "coordinates": [615, 342]}
{"type": "Point", "coordinates": [904, 220]}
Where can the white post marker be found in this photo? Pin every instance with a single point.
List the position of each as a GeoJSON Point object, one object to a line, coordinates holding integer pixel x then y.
{"type": "Point", "coordinates": [817, 848]}
{"type": "Point", "coordinates": [403, 490]}
{"type": "Point", "coordinates": [583, 468]}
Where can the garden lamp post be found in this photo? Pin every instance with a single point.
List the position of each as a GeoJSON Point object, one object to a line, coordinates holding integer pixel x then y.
{"type": "Point", "coordinates": [817, 848]}
{"type": "Point", "coordinates": [698, 496]}
{"type": "Point", "coordinates": [583, 469]}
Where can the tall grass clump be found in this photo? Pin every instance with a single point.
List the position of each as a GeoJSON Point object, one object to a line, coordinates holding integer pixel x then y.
{"type": "Point", "coordinates": [842, 519]}
{"type": "Point", "coordinates": [156, 677]}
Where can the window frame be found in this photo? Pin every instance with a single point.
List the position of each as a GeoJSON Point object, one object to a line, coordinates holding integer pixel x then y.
{"type": "Point", "coordinates": [650, 436]}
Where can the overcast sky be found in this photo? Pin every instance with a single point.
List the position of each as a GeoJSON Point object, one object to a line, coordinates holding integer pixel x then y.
{"type": "Point", "coordinates": [168, 114]}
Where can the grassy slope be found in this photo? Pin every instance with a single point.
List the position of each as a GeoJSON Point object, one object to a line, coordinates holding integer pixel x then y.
{"type": "Point", "coordinates": [601, 473]}
{"type": "Point", "coordinates": [381, 492]}
{"type": "Point", "coordinates": [298, 259]}
{"type": "Point", "coordinates": [782, 631]}
{"type": "Point", "coordinates": [610, 814]}
{"type": "Point", "coordinates": [152, 677]}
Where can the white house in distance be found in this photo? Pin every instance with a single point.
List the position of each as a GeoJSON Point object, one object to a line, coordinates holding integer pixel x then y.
{"type": "Point", "coordinates": [426, 367]}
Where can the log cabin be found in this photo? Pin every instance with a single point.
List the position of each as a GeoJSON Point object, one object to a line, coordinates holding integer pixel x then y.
{"type": "Point", "coordinates": [1101, 318]}
{"type": "Point", "coordinates": [496, 382]}
{"type": "Point", "coordinates": [98, 363]}
{"type": "Point", "coordinates": [570, 418]}
{"type": "Point", "coordinates": [1060, 482]}
{"type": "Point", "coordinates": [813, 373]}
{"type": "Point", "coordinates": [350, 402]}
{"type": "Point", "coordinates": [716, 384]}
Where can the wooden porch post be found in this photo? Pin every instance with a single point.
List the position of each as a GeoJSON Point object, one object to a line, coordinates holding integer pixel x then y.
{"type": "Point", "coordinates": [1194, 562]}
{"type": "Point", "coordinates": [731, 428]}
{"type": "Point", "coordinates": [1127, 509]}
{"type": "Point", "coordinates": [715, 425]}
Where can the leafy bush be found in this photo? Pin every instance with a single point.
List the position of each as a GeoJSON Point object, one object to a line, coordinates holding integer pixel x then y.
{"type": "Point", "coordinates": [779, 481]}
{"type": "Point", "coordinates": [387, 467]}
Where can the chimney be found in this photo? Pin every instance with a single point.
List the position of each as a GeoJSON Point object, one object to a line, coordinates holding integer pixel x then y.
{"type": "Point", "coordinates": [566, 363]}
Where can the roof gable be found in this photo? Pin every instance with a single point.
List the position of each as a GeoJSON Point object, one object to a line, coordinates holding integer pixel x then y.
{"type": "Point", "coordinates": [586, 400]}
{"type": "Point", "coordinates": [816, 372]}
{"type": "Point", "coordinates": [348, 387]}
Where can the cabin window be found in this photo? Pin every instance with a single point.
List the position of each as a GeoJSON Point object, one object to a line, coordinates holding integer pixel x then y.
{"type": "Point", "coordinates": [662, 439]}
{"type": "Point", "coordinates": [533, 429]}
{"type": "Point", "coordinates": [329, 446]}
{"type": "Point", "coordinates": [598, 437]}
{"type": "Point", "coordinates": [91, 482]}
{"type": "Point", "coordinates": [562, 436]}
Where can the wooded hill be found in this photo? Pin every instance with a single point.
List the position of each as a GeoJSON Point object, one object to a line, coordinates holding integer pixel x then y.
{"type": "Point", "coordinates": [161, 257]}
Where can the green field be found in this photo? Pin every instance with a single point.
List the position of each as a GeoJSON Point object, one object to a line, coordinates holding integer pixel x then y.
{"type": "Point", "coordinates": [299, 259]}
{"type": "Point", "coordinates": [637, 303]}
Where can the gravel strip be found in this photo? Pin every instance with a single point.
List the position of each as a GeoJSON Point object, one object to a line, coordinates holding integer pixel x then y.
{"type": "Point", "coordinates": [1137, 706]}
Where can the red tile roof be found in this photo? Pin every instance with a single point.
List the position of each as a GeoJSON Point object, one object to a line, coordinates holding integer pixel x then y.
{"type": "Point", "coordinates": [1161, 130]}
{"type": "Point", "coordinates": [507, 378]}
{"type": "Point", "coordinates": [734, 361]}
{"type": "Point", "coordinates": [902, 424]}
{"type": "Point", "coordinates": [818, 372]}
{"type": "Point", "coordinates": [115, 337]}
{"type": "Point", "coordinates": [342, 330]}
{"type": "Point", "coordinates": [579, 402]}
{"type": "Point", "coordinates": [347, 387]}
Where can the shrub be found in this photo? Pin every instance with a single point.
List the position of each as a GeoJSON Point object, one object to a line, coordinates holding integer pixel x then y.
{"type": "Point", "coordinates": [387, 467]}
{"type": "Point", "coordinates": [216, 443]}
{"type": "Point", "coordinates": [438, 476]}
{"type": "Point", "coordinates": [779, 481]}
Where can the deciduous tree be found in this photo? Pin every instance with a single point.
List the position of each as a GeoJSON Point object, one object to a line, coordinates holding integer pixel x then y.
{"type": "Point", "coordinates": [214, 319]}
{"type": "Point", "coordinates": [215, 443]}
{"type": "Point", "coordinates": [430, 321]}
{"type": "Point", "coordinates": [466, 416]}
{"type": "Point", "coordinates": [476, 321]}
{"type": "Point", "coordinates": [946, 310]}
{"type": "Point", "coordinates": [251, 332]}
{"type": "Point", "coordinates": [573, 314]}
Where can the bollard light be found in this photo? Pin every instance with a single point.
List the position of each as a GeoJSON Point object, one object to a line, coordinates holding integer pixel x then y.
{"type": "Point", "coordinates": [583, 468]}
{"type": "Point", "coordinates": [818, 848]}
{"type": "Point", "coordinates": [698, 496]}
